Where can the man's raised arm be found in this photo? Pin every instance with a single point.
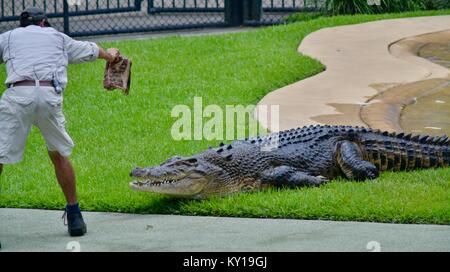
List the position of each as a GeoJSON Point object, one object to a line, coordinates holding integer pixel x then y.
{"type": "Point", "coordinates": [83, 51]}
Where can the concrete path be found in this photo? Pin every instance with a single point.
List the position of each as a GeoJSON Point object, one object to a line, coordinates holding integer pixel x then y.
{"type": "Point", "coordinates": [356, 57]}
{"type": "Point", "coordinates": [38, 230]}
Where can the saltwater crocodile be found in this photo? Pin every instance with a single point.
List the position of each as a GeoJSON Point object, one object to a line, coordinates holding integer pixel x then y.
{"type": "Point", "coordinates": [307, 156]}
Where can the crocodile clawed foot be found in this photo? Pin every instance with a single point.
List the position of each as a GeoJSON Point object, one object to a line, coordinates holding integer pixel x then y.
{"type": "Point", "coordinates": [372, 175]}
{"type": "Point", "coordinates": [366, 170]}
{"type": "Point", "coordinates": [372, 171]}
{"type": "Point", "coordinates": [322, 179]}
{"type": "Point", "coordinates": [319, 180]}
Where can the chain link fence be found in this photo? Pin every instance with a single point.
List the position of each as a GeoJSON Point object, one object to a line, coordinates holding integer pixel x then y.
{"type": "Point", "coordinates": [100, 17]}
{"type": "Point", "coordinates": [276, 11]}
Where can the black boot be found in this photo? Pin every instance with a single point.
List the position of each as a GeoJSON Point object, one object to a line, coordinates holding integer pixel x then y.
{"type": "Point", "coordinates": [75, 222]}
{"type": "Point", "coordinates": [76, 225]}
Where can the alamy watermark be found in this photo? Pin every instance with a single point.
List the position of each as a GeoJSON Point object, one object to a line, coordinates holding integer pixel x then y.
{"type": "Point", "coordinates": [373, 246]}
{"type": "Point", "coordinates": [73, 246]}
{"type": "Point", "coordinates": [213, 122]}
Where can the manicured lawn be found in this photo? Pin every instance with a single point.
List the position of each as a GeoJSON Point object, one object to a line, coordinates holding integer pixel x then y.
{"type": "Point", "coordinates": [114, 133]}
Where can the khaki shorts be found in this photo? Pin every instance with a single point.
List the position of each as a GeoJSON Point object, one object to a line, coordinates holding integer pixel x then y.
{"type": "Point", "coordinates": [22, 107]}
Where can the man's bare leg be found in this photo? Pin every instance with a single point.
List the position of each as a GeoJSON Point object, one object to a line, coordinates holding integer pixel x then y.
{"type": "Point", "coordinates": [65, 176]}
{"type": "Point", "coordinates": [66, 179]}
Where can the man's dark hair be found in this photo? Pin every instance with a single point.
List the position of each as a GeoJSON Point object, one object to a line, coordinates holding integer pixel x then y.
{"type": "Point", "coordinates": [33, 16]}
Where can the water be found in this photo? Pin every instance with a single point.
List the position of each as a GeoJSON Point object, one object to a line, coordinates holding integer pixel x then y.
{"type": "Point", "coordinates": [438, 53]}
{"type": "Point", "coordinates": [431, 112]}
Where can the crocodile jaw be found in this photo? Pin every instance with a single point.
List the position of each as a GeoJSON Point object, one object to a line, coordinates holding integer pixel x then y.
{"type": "Point", "coordinates": [184, 188]}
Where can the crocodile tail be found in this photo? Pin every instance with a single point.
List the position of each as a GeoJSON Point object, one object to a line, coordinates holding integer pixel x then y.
{"type": "Point", "coordinates": [401, 152]}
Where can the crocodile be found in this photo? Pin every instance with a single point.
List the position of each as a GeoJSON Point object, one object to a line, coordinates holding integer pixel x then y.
{"type": "Point", "coordinates": [308, 156]}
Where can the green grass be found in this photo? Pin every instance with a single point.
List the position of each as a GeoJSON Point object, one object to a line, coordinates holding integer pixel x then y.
{"type": "Point", "coordinates": [305, 16]}
{"type": "Point", "coordinates": [114, 133]}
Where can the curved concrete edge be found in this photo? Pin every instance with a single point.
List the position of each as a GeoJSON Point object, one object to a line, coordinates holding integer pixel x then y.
{"type": "Point", "coordinates": [356, 57]}
{"type": "Point", "coordinates": [407, 49]}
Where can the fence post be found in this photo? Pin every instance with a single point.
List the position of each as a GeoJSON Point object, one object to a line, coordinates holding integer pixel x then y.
{"type": "Point", "coordinates": [252, 11]}
{"type": "Point", "coordinates": [138, 4]}
{"type": "Point", "coordinates": [150, 7]}
{"type": "Point", "coordinates": [66, 17]}
{"type": "Point", "coordinates": [234, 12]}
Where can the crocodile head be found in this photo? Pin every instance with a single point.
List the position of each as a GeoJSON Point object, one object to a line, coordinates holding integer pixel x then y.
{"type": "Point", "coordinates": [189, 177]}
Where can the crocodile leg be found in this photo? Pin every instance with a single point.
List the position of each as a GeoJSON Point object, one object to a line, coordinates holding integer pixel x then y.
{"type": "Point", "coordinates": [352, 164]}
{"type": "Point", "coordinates": [289, 177]}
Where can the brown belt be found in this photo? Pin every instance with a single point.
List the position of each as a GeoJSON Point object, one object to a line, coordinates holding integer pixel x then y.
{"type": "Point", "coordinates": [45, 83]}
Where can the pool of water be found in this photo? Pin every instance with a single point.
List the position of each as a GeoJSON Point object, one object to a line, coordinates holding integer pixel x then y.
{"type": "Point", "coordinates": [438, 53]}
{"type": "Point", "coordinates": [430, 114]}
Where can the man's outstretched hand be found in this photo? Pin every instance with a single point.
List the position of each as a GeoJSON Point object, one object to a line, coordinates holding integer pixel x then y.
{"type": "Point", "coordinates": [114, 53]}
{"type": "Point", "coordinates": [110, 55]}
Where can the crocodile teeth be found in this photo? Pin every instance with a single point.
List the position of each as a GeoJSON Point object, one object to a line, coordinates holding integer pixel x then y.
{"type": "Point", "coordinates": [162, 182]}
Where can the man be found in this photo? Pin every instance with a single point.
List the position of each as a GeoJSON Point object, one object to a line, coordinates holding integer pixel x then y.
{"type": "Point", "coordinates": [36, 57]}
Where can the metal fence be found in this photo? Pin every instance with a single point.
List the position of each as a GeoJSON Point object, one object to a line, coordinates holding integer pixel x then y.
{"type": "Point", "coordinates": [275, 11]}
{"type": "Point", "coordinates": [99, 17]}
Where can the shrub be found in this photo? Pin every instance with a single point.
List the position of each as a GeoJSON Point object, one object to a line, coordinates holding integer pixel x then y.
{"type": "Point", "coordinates": [385, 6]}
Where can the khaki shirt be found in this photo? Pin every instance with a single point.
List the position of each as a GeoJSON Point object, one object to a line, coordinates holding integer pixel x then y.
{"type": "Point", "coordinates": [42, 53]}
